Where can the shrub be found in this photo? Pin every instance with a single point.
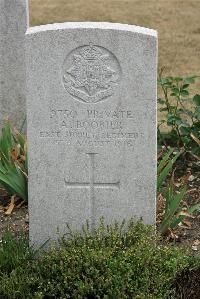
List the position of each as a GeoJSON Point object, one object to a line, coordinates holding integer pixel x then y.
{"type": "Point", "coordinates": [115, 262]}
{"type": "Point", "coordinates": [183, 122]}
{"type": "Point", "coordinates": [13, 252]}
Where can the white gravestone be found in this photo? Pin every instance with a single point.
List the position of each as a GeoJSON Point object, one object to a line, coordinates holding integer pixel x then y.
{"type": "Point", "coordinates": [13, 26]}
{"type": "Point", "coordinates": [91, 104]}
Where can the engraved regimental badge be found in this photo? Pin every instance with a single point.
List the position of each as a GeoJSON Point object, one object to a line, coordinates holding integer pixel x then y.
{"type": "Point", "coordinates": [91, 73]}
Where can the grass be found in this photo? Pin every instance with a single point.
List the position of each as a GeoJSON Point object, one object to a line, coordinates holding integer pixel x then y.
{"type": "Point", "coordinates": [177, 22]}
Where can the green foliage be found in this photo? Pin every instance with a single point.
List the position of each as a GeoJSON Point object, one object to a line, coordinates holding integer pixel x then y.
{"type": "Point", "coordinates": [13, 253]}
{"type": "Point", "coordinates": [184, 123]}
{"type": "Point", "coordinates": [165, 166]}
{"type": "Point", "coordinates": [174, 212]}
{"type": "Point", "coordinates": [120, 261]}
{"type": "Point", "coordinates": [13, 162]}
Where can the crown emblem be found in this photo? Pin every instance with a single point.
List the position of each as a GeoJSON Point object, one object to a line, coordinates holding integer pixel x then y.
{"type": "Point", "coordinates": [90, 53]}
{"type": "Point", "coordinates": [90, 73]}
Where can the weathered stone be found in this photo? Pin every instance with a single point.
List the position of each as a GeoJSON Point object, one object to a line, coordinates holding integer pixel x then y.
{"type": "Point", "coordinates": [91, 125]}
{"type": "Point", "coordinates": [13, 25]}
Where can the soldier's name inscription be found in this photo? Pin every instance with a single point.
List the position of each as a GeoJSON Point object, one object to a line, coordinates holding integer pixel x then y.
{"type": "Point", "coordinates": [92, 127]}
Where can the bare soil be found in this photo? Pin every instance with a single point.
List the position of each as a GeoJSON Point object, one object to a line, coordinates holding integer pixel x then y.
{"type": "Point", "coordinates": [17, 222]}
{"type": "Point", "coordinates": [188, 285]}
{"type": "Point", "coordinates": [177, 22]}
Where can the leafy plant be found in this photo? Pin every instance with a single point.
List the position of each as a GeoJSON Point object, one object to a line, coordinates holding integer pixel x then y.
{"type": "Point", "coordinates": [120, 261]}
{"type": "Point", "coordinates": [13, 162]}
{"type": "Point", "coordinates": [174, 213]}
{"type": "Point", "coordinates": [184, 122]}
{"type": "Point", "coordinates": [13, 252]}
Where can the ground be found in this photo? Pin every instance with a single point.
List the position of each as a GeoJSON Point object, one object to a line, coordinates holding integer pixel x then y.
{"type": "Point", "coordinates": [17, 222]}
{"type": "Point", "coordinates": [177, 22]}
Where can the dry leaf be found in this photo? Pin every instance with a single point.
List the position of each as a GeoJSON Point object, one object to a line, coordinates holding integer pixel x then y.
{"type": "Point", "coordinates": [11, 206]}
{"type": "Point", "coordinates": [185, 178]}
{"type": "Point", "coordinates": [195, 138]}
{"type": "Point", "coordinates": [185, 204]}
{"type": "Point", "coordinates": [196, 243]}
{"type": "Point", "coordinates": [185, 213]}
{"type": "Point", "coordinates": [194, 248]}
{"type": "Point", "coordinates": [24, 173]}
{"type": "Point", "coordinates": [15, 153]}
{"type": "Point", "coordinates": [191, 178]}
{"type": "Point", "coordinates": [171, 234]}
{"type": "Point", "coordinates": [20, 204]}
{"type": "Point", "coordinates": [160, 154]}
{"type": "Point", "coordinates": [187, 223]}
{"type": "Point", "coordinates": [184, 226]}
{"type": "Point", "coordinates": [177, 184]}
{"type": "Point", "coordinates": [23, 158]}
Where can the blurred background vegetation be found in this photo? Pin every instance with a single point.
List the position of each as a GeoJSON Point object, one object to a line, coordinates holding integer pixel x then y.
{"type": "Point", "coordinates": [177, 22]}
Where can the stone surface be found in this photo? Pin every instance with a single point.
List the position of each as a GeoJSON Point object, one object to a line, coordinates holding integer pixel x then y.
{"type": "Point", "coordinates": [91, 125]}
{"type": "Point", "coordinates": [13, 25]}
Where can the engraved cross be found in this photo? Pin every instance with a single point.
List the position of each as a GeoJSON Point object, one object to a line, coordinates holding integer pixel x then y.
{"type": "Point", "coordinates": [92, 185]}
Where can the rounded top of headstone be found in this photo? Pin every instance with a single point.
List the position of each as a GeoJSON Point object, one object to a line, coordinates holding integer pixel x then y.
{"type": "Point", "coordinates": [92, 25]}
